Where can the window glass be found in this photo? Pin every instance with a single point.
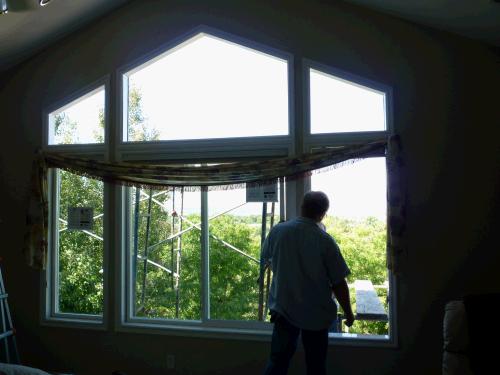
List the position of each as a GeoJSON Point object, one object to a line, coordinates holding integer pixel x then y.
{"type": "Point", "coordinates": [80, 252]}
{"type": "Point", "coordinates": [165, 250]}
{"type": "Point", "coordinates": [339, 106]}
{"type": "Point", "coordinates": [79, 122]}
{"type": "Point", "coordinates": [236, 232]}
{"type": "Point", "coordinates": [207, 88]}
{"type": "Point", "coordinates": [357, 221]}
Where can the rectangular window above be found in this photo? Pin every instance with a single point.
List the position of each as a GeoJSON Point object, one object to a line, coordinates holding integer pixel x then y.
{"type": "Point", "coordinates": [338, 105]}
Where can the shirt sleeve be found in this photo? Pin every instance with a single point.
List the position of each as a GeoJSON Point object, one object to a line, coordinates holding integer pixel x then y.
{"type": "Point", "coordinates": [336, 266]}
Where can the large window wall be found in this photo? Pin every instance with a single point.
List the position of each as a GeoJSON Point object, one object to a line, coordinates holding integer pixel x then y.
{"type": "Point", "coordinates": [189, 260]}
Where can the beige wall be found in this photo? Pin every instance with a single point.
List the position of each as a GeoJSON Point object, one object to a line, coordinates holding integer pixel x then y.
{"type": "Point", "coordinates": [445, 109]}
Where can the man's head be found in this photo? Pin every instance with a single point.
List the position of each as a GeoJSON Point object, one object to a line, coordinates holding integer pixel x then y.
{"type": "Point", "coordinates": [314, 205]}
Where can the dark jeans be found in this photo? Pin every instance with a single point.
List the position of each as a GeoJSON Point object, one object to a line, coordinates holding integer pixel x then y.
{"type": "Point", "coordinates": [284, 343]}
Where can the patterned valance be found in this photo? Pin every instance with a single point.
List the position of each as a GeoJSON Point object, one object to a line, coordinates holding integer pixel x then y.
{"type": "Point", "coordinates": [192, 177]}
{"type": "Point", "coordinates": [218, 176]}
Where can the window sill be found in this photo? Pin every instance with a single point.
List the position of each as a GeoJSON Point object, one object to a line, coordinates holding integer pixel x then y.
{"type": "Point", "coordinates": [74, 322]}
{"type": "Point", "coordinates": [248, 334]}
{"type": "Point", "coordinates": [227, 333]}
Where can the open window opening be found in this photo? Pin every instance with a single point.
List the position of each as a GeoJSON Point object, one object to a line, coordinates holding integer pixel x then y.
{"type": "Point", "coordinates": [357, 221]}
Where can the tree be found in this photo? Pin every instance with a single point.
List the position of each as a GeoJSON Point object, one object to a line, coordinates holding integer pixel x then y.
{"type": "Point", "coordinates": [363, 245]}
{"type": "Point", "coordinates": [234, 289]}
{"type": "Point", "coordinates": [65, 129]}
{"type": "Point", "coordinates": [139, 129]}
{"type": "Point", "coordinates": [80, 255]}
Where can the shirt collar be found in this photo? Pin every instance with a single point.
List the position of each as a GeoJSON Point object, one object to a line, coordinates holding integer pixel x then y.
{"type": "Point", "coordinates": [303, 219]}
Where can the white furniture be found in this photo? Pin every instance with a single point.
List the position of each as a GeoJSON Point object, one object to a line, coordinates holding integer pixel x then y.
{"type": "Point", "coordinates": [456, 360]}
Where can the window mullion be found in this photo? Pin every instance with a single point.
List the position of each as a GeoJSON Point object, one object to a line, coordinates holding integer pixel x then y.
{"type": "Point", "coordinates": [54, 274]}
{"type": "Point", "coordinates": [205, 256]}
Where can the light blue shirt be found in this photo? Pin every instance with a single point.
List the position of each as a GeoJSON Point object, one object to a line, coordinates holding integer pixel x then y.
{"type": "Point", "coordinates": [306, 262]}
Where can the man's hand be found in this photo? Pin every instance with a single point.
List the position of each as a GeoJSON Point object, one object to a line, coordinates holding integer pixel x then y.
{"type": "Point", "coordinates": [341, 291]}
{"type": "Point", "coordinates": [349, 319]}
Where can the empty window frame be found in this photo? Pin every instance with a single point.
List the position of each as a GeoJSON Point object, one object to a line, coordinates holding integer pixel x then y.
{"type": "Point", "coordinates": [357, 221]}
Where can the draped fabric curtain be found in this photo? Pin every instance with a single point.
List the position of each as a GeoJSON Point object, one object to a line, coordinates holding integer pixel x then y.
{"type": "Point", "coordinates": [396, 203]}
{"type": "Point", "coordinates": [193, 177]}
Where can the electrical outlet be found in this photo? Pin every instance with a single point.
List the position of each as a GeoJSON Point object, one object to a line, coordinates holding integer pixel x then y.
{"type": "Point", "coordinates": [170, 361]}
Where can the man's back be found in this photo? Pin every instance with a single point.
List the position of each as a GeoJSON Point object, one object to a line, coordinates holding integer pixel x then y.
{"type": "Point", "coordinates": [306, 262]}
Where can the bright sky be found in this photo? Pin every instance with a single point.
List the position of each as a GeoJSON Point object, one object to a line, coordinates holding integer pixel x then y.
{"type": "Point", "coordinates": [85, 112]}
{"type": "Point", "coordinates": [209, 88]}
{"type": "Point", "coordinates": [340, 106]}
{"type": "Point", "coordinates": [356, 190]}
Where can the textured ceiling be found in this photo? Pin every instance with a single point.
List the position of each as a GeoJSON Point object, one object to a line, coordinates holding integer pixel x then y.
{"type": "Point", "coordinates": [477, 19]}
{"type": "Point", "coordinates": [22, 34]}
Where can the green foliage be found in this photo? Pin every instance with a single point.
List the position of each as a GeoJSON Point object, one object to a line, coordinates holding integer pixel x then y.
{"type": "Point", "coordinates": [158, 293]}
{"type": "Point", "coordinates": [234, 289]}
{"type": "Point", "coordinates": [80, 255]}
{"type": "Point", "coordinates": [65, 129]}
{"type": "Point", "coordinates": [363, 245]}
{"type": "Point", "coordinates": [139, 129]}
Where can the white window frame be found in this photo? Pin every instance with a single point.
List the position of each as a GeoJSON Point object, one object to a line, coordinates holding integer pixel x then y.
{"type": "Point", "coordinates": [312, 141]}
{"type": "Point", "coordinates": [117, 289]}
{"type": "Point", "coordinates": [49, 314]}
{"type": "Point", "coordinates": [214, 147]}
{"type": "Point", "coordinates": [205, 321]}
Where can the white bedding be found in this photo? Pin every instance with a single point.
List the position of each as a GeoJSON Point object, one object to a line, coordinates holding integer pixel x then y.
{"type": "Point", "coordinates": [8, 369]}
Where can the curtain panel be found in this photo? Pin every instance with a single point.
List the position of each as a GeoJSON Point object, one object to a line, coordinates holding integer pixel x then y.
{"type": "Point", "coordinates": [196, 176]}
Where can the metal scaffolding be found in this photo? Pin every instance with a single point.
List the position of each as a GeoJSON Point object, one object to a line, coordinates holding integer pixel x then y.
{"type": "Point", "coordinates": [174, 239]}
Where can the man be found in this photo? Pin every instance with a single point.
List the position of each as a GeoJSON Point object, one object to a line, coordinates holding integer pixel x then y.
{"type": "Point", "coordinates": [307, 266]}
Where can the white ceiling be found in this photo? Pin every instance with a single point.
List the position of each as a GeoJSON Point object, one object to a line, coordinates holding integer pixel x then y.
{"type": "Point", "coordinates": [477, 19]}
{"type": "Point", "coordinates": [23, 34]}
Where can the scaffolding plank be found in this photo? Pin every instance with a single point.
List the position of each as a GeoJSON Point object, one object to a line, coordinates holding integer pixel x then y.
{"type": "Point", "coordinates": [368, 305]}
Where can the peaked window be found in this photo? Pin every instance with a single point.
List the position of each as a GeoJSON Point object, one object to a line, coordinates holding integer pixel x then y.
{"type": "Point", "coordinates": [207, 87]}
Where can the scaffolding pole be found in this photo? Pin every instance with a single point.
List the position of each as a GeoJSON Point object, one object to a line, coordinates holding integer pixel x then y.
{"type": "Point", "coordinates": [261, 278]}
{"type": "Point", "coordinates": [136, 243]}
{"type": "Point", "coordinates": [179, 257]}
{"type": "Point", "coordinates": [172, 242]}
{"type": "Point", "coordinates": [145, 267]}
{"type": "Point", "coordinates": [268, 270]}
